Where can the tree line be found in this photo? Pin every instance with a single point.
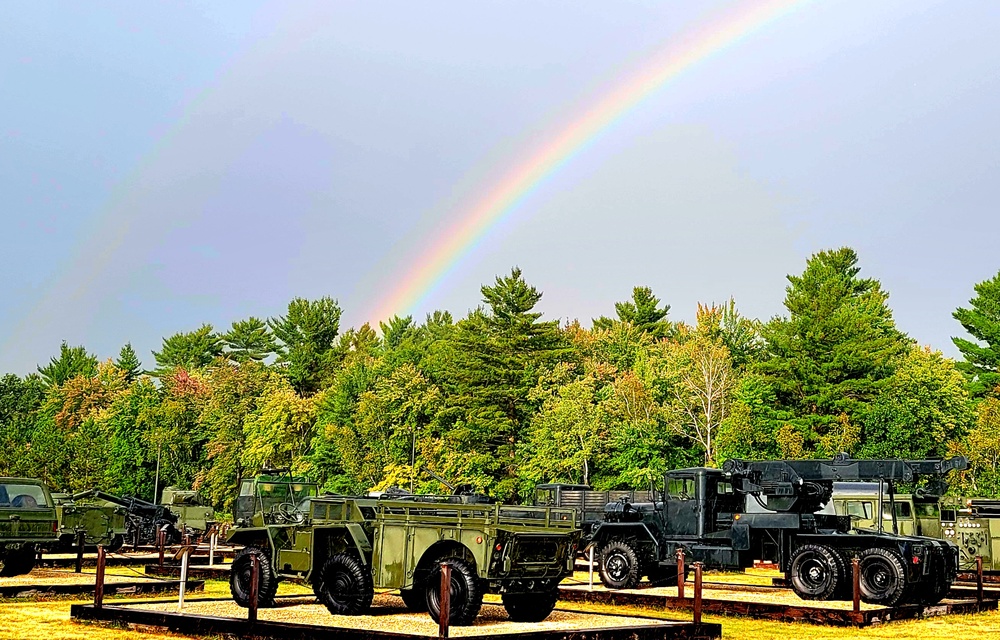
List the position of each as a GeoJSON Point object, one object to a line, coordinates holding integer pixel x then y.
{"type": "Point", "coordinates": [503, 399]}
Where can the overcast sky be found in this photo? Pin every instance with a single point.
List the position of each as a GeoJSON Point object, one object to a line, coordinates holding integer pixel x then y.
{"type": "Point", "coordinates": [168, 164]}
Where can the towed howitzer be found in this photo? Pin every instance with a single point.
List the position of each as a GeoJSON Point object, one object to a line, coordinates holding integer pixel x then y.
{"type": "Point", "coordinates": [143, 519]}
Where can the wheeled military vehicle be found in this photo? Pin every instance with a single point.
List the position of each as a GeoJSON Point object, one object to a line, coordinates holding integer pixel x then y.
{"type": "Point", "coordinates": [347, 546]}
{"type": "Point", "coordinates": [971, 523]}
{"type": "Point", "coordinates": [589, 504]}
{"type": "Point", "coordinates": [704, 514]}
{"type": "Point", "coordinates": [194, 517]}
{"type": "Point", "coordinates": [102, 522]}
{"type": "Point", "coordinates": [27, 523]}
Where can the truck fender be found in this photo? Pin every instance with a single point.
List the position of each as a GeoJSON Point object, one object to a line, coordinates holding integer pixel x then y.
{"type": "Point", "coordinates": [639, 530]}
{"type": "Point", "coordinates": [360, 540]}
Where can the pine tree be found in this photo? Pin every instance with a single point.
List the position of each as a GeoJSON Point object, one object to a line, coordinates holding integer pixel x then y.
{"type": "Point", "coordinates": [643, 312]}
{"type": "Point", "coordinates": [72, 362]}
{"type": "Point", "coordinates": [191, 350]}
{"type": "Point", "coordinates": [836, 349]}
{"type": "Point", "coordinates": [128, 362]}
{"type": "Point", "coordinates": [249, 339]}
{"type": "Point", "coordinates": [982, 322]}
{"type": "Point", "coordinates": [308, 334]}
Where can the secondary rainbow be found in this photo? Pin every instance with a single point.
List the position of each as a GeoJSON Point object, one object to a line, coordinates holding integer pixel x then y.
{"type": "Point", "coordinates": [504, 196]}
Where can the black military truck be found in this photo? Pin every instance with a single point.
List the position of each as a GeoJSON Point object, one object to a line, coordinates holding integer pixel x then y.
{"type": "Point", "coordinates": [348, 546]}
{"type": "Point", "coordinates": [27, 523]}
{"type": "Point", "coordinates": [769, 510]}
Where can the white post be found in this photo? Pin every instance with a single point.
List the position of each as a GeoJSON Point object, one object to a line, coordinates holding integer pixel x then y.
{"type": "Point", "coordinates": [591, 564]}
{"type": "Point", "coordinates": [184, 576]}
{"type": "Point", "coordinates": [211, 547]}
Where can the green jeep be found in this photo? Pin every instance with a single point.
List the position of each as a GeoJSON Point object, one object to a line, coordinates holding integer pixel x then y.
{"type": "Point", "coordinates": [348, 546]}
{"type": "Point", "coordinates": [27, 524]}
{"type": "Point", "coordinates": [102, 522]}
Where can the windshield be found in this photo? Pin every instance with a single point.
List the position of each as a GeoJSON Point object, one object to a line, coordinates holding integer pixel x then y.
{"type": "Point", "coordinates": [22, 496]}
{"type": "Point", "coordinates": [860, 509]}
{"type": "Point", "coordinates": [272, 493]}
{"type": "Point", "coordinates": [927, 510]}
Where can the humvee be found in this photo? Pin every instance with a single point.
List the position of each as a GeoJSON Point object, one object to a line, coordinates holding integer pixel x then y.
{"type": "Point", "coordinates": [27, 523]}
{"type": "Point", "coordinates": [347, 546]}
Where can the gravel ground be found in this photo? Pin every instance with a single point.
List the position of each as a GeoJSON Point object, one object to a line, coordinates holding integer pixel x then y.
{"type": "Point", "coordinates": [66, 576]}
{"type": "Point", "coordinates": [389, 614]}
{"type": "Point", "coordinates": [778, 596]}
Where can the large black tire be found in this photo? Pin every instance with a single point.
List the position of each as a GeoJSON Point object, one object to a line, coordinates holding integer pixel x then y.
{"type": "Point", "coordinates": [465, 595]}
{"type": "Point", "coordinates": [415, 599]}
{"type": "Point", "coordinates": [620, 566]}
{"type": "Point", "coordinates": [883, 577]}
{"type": "Point", "coordinates": [530, 607]}
{"type": "Point", "coordinates": [344, 585]}
{"type": "Point", "coordinates": [239, 578]}
{"type": "Point", "coordinates": [17, 562]}
{"type": "Point", "coordinates": [936, 587]}
{"type": "Point", "coordinates": [815, 572]}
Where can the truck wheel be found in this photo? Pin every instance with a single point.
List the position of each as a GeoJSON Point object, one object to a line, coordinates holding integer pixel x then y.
{"type": "Point", "coordinates": [415, 599]}
{"type": "Point", "coordinates": [344, 585]}
{"type": "Point", "coordinates": [530, 607]}
{"type": "Point", "coordinates": [814, 572]}
{"type": "Point", "coordinates": [465, 596]}
{"type": "Point", "coordinates": [620, 565]}
{"type": "Point", "coordinates": [883, 576]}
{"type": "Point", "coordinates": [239, 578]}
{"type": "Point", "coordinates": [17, 562]}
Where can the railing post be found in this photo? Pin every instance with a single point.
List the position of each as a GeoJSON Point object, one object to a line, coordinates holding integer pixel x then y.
{"type": "Point", "coordinates": [160, 541]}
{"type": "Point", "coordinates": [697, 592]}
{"type": "Point", "coordinates": [212, 542]}
{"type": "Point", "coordinates": [591, 563]}
{"type": "Point", "coordinates": [680, 573]}
{"type": "Point", "coordinates": [856, 582]}
{"type": "Point", "coordinates": [979, 581]}
{"type": "Point", "coordinates": [185, 554]}
{"type": "Point", "coordinates": [445, 609]}
{"type": "Point", "coordinates": [80, 541]}
{"type": "Point", "coordinates": [254, 587]}
{"type": "Point", "coordinates": [99, 580]}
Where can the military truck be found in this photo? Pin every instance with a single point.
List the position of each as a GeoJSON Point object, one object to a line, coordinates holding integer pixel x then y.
{"type": "Point", "coordinates": [971, 523]}
{"type": "Point", "coordinates": [27, 523]}
{"type": "Point", "coordinates": [347, 546]}
{"type": "Point", "coordinates": [102, 522]}
{"type": "Point", "coordinates": [194, 517]}
{"type": "Point", "coordinates": [704, 514]}
{"type": "Point", "coordinates": [589, 504]}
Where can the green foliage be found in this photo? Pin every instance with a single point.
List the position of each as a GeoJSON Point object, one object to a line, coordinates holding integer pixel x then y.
{"type": "Point", "coordinates": [249, 339]}
{"type": "Point", "coordinates": [20, 401]}
{"type": "Point", "coordinates": [982, 322]}
{"type": "Point", "coordinates": [307, 333]}
{"type": "Point", "coordinates": [129, 363]}
{"type": "Point", "coordinates": [643, 312]}
{"type": "Point", "coordinates": [192, 350]}
{"type": "Point", "coordinates": [72, 362]}
{"type": "Point", "coordinates": [835, 351]}
{"type": "Point", "coordinates": [922, 407]}
{"type": "Point", "coordinates": [982, 446]}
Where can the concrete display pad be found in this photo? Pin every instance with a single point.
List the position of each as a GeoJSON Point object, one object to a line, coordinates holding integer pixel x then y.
{"type": "Point", "coordinates": [60, 582]}
{"type": "Point", "coordinates": [300, 618]}
{"type": "Point", "coordinates": [778, 604]}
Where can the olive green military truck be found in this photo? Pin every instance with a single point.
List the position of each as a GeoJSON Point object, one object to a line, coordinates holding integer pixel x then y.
{"type": "Point", "coordinates": [100, 521]}
{"type": "Point", "coordinates": [27, 523]}
{"type": "Point", "coordinates": [348, 546]}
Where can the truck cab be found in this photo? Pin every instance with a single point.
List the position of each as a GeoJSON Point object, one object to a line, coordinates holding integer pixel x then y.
{"type": "Point", "coordinates": [28, 523]}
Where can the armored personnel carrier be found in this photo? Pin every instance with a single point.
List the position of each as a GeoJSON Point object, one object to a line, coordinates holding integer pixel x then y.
{"type": "Point", "coordinates": [347, 546]}
{"type": "Point", "coordinates": [27, 523]}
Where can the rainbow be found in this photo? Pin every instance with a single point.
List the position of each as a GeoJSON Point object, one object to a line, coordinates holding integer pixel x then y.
{"type": "Point", "coordinates": [505, 195]}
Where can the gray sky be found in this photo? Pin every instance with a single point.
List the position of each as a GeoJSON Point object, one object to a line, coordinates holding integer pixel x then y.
{"type": "Point", "coordinates": [168, 164]}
